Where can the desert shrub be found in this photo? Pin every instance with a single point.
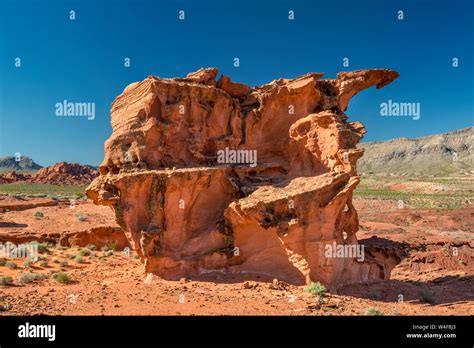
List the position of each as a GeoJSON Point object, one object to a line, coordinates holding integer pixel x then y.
{"type": "Point", "coordinates": [91, 247]}
{"type": "Point", "coordinates": [44, 263]}
{"type": "Point", "coordinates": [38, 215]}
{"type": "Point", "coordinates": [317, 289]}
{"type": "Point", "coordinates": [55, 260]}
{"type": "Point", "coordinates": [10, 264]}
{"type": "Point", "coordinates": [109, 253]}
{"type": "Point", "coordinates": [79, 259]}
{"type": "Point", "coordinates": [81, 217]}
{"type": "Point", "coordinates": [62, 277]}
{"type": "Point", "coordinates": [2, 261]}
{"type": "Point", "coordinates": [6, 280]}
{"type": "Point", "coordinates": [85, 252]}
{"type": "Point", "coordinates": [27, 264]}
{"type": "Point", "coordinates": [63, 263]}
{"type": "Point", "coordinates": [42, 247]}
{"type": "Point", "coordinates": [109, 246]}
{"type": "Point", "coordinates": [373, 312]}
{"type": "Point", "coordinates": [28, 277]}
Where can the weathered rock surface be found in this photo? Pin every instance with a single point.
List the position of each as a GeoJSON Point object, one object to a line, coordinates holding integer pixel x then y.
{"type": "Point", "coordinates": [64, 173]}
{"type": "Point", "coordinates": [215, 176]}
{"type": "Point", "coordinates": [11, 177]}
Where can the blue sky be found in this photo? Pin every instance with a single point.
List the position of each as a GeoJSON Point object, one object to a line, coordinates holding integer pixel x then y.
{"type": "Point", "coordinates": [82, 60]}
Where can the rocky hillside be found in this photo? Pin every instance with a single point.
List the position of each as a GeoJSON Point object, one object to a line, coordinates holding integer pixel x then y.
{"type": "Point", "coordinates": [434, 155]}
{"type": "Point", "coordinates": [64, 173]}
{"type": "Point", "coordinates": [25, 164]}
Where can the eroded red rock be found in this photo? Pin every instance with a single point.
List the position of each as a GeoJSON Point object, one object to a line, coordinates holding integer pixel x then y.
{"type": "Point", "coordinates": [64, 173]}
{"type": "Point", "coordinates": [11, 177]}
{"type": "Point", "coordinates": [209, 176]}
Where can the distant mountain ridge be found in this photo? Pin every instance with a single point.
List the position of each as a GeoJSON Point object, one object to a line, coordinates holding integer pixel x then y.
{"type": "Point", "coordinates": [442, 154]}
{"type": "Point", "coordinates": [9, 163]}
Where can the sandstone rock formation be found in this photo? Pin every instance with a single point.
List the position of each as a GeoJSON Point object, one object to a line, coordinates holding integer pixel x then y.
{"type": "Point", "coordinates": [11, 177]}
{"type": "Point", "coordinates": [215, 176]}
{"type": "Point", "coordinates": [64, 173]}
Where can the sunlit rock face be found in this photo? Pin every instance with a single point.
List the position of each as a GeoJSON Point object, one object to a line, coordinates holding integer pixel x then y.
{"type": "Point", "coordinates": [211, 175]}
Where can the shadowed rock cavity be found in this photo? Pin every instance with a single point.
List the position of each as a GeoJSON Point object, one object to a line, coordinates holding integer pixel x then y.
{"type": "Point", "coordinates": [215, 176]}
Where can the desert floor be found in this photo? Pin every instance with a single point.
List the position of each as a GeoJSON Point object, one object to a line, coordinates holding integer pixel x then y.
{"type": "Point", "coordinates": [432, 219]}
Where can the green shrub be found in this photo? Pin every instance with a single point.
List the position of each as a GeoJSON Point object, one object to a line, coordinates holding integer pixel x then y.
{"type": "Point", "coordinates": [38, 215]}
{"type": "Point", "coordinates": [79, 259]}
{"type": "Point", "coordinates": [44, 263]}
{"type": "Point", "coordinates": [10, 264]}
{"type": "Point", "coordinates": [2, 261]}
{"type": "Point", "coordinates": [85, 252]}
{"type": "Point", "coordinates": [317, 289]}
{"type": "Point", "coordinates": [91, 247]}
{"type": "Point", "coordinates": [42, 247]}
{"type": "Point", "coordinates": [28, 277]}
{"type": "Point", "coordinates": [62, 277]}
{"type": "Point", "coordinates": [6, 280]}
{"type": "Point", "coordinates": [373, 312]}
{"type": "Point", "coordinates": [27, 264]}
{"type": "Point", "coordinates": [81, 217]}
{"type": "Point", "coordinates": [109, 246]}
{"type": "Point", "coordinates": [109, 253]}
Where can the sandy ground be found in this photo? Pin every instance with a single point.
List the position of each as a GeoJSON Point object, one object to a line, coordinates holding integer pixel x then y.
{"type": "Point", "coordinates": [436, 278]}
